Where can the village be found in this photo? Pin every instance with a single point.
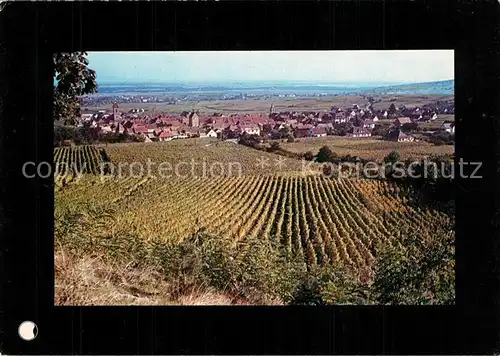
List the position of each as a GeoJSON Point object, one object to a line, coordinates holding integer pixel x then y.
{"type": "Point", "coordinates": [352, 122]}
{"type": "Point", "coordinates": [283, 196]}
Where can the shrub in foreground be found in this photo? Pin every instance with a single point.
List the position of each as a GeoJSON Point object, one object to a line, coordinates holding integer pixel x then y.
{"type": "Point", "coordinates": [260, 271]}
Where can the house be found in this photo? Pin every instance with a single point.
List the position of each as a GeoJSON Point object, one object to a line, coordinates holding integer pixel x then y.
{"type": "Point", "coordinates": [139, 129]}
{"type": "Point", "coordinates": [106, 129]}
{"type": "Point", "coordinates": [359, 132]}
{"type": "Point", "coordinates": [166, 135]}
{"type": "Point", "coordinates": [211, 133]}
{"type": "Point", "coordinates": [180, 135]}
{"type": "Point", "coordinates": [319, 131]}
{"type": "Point", "coordinates": [448, 126]}
{"type": "Point", "coordinates": [128, 124]}
{"type": "Point", "coordinates": [87, 117]}
{"type": "Point", "coordinates": [375, 118]}
{"type": "Point", "coordinates": [368, 124]}
{"type": "Point", "coordinates": [339, 119]}
{"type": "Point", "coordinates": [235, 129]}
{"type": "Point", "coordinates": [250, 129]}
{"type": "Point", "coordinates": [399, 136]}
{"type": "Point", "coordinates": [151, 128]}
{"type": "Point", "coordinates": [202, 133]}
{"type": "Point", "coordinates": [279, 126]}
{"type": "Point", "coordinates": [400, 121]}
{"type": "Point", "coordinates": [191, 131]}
{"type": "Point", "coordinates": [266, 128]}
{"type": "Point", "coordinates": [302, 131]}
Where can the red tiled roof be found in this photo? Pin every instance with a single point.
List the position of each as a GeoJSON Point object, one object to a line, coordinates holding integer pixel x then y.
{"type": "Point", "coordinates": [404, 120]}
{"type": "Point", "coordinates": [140, 128]}
{"type": "Point", "coordinates": [166, 134]}
{"type": "Point", "coordinates": [319, 130]}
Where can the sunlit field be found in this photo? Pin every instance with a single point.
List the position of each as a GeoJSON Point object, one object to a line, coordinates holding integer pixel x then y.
{"type": "Point", "coordinates": [319, 219]}
{"type": "Point", "coordinates": [367, 148]}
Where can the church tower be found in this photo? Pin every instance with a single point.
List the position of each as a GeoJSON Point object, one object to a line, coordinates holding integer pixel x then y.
{"type": "Point", "coordinates": [116, 111]}
{"type": "Point", "coordinates": [194, 120]}
{"type": "Point", "coordinates": [271, 110]}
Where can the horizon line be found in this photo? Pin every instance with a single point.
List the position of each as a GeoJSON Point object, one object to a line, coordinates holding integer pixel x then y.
{"type": "Point", "coordinates": [265, 81]}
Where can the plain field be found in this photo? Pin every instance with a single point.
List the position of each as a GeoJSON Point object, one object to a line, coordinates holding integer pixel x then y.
{"type": "Point", "coordinates": [281, 104]}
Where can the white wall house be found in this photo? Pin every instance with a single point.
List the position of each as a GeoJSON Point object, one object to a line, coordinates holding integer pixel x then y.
{"type": "Point", "coordinates": [212, 133]}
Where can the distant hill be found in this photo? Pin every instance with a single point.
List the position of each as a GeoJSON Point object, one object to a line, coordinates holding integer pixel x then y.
{"type": "Point", "coordinates": [444, 87]}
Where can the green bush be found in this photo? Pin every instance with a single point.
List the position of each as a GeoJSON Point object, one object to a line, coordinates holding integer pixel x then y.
{"type": "Point", "coordinates": [329, 284]}
{"type": "Point", "coordinates": [325, 154]}
{"type": "Point", "coordinates": [392, 157]}
{"type": "Point", "coordinates": [308, 156]}
{"type": "Point", "coordinates": [417, 271]}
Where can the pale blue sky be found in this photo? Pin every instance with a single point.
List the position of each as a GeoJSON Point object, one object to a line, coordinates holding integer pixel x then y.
{"type": "Point", "coordinates": [233, 66]}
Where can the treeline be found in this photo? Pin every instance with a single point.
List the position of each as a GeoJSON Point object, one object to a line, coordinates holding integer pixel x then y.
{"type": "Point", "coordinates": [274, 147]}
{"type": "Point", "coordinates": [86, 135]}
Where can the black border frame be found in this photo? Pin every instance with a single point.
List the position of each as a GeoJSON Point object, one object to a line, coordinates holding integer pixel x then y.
{"type": "Point", "coordinates": [31, 32]}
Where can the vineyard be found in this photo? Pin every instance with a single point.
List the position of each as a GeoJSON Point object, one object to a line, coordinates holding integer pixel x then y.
{"type": "Point", "coordinates": [70, 161]}
{"type": "Point", "coordinates": [318, 219]}
{"type": "Point", "coordinates": [204, 152]}
{"type": "Point", "coordinates": [368, 148]}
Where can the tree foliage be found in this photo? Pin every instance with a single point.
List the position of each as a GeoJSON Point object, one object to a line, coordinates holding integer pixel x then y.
{"type": "Point", "coordinates": [417, 271]}
{"type": "Point", "coordinates": [73, 79]}
{"type": "Point", "coordinates": [285, 133]}
{"type": "Point", "coordinates": [381, 129]}
{"type": "Point", "coordinates": [249, 140]}
{"type": "Point", "coordinates": [325, 154]}
{"type": "Point", "coordinates": [392, 157]}
{"type": "Point", "coordinates": [341, 129]}
{"type": "Point", "coordinates": [410, 127]}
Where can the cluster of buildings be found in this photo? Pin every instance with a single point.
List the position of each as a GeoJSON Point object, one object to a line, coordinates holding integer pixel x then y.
{"type": "Point", "coordinates": [355, 121]}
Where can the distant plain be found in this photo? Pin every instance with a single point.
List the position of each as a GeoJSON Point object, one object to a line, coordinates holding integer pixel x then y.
{"type": "Point", "coordinates": [253, 106]}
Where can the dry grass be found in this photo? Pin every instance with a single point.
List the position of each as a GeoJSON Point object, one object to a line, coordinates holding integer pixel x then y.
{"type": "Point", "coordinates": [88, 281]}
